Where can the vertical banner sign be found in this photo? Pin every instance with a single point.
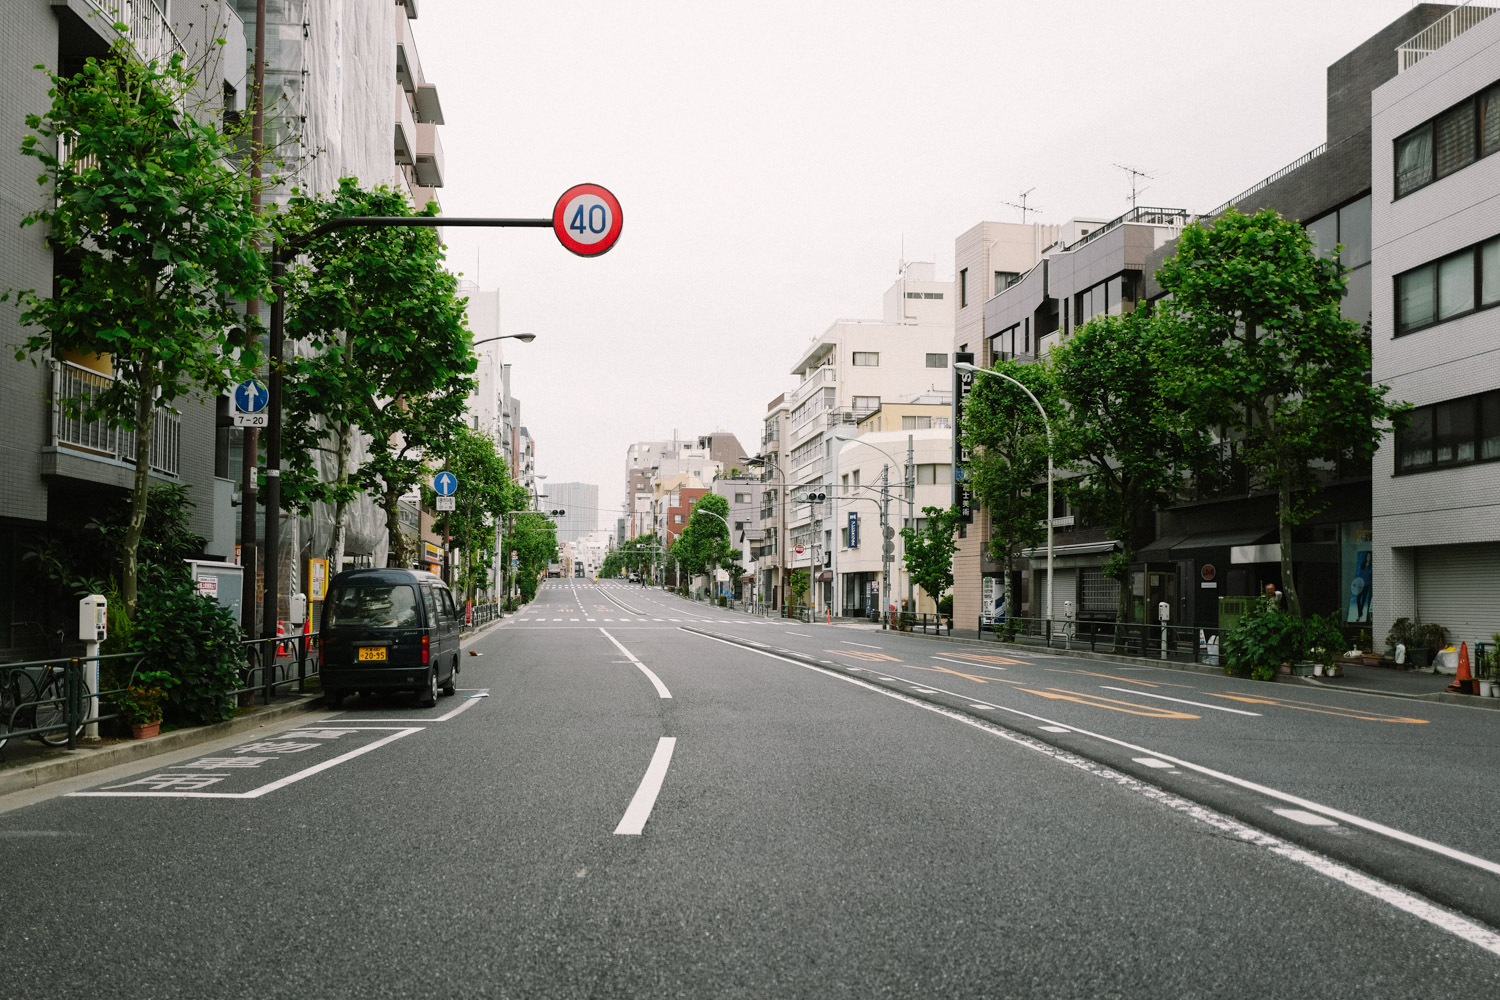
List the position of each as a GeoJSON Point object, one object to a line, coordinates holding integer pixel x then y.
{"type": "Point", "coordinates": [853, 530]}
{"type": "Point", "coordinates": [963, 497]}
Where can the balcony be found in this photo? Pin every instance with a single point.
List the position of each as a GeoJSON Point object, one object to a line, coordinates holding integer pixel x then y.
{"type": "Point", "coordinates": [408, 65]}
{"type": "Point", "coordinates": [406, 130]}
{"type": "Point", "coordinates": [429, 108]}
{"type": "Point", "coordinates": [146, 25]}
{"type": "Point", "coordinates": [430, 163]}
{"type": "Point", "coordinates": [420, 196]}
{"type": "Point", "coordinates": [76, 437]}
{"type": "Point", "coordinates": [1439, 33]}
{"type": "Point", "coordinates": [821, 376]}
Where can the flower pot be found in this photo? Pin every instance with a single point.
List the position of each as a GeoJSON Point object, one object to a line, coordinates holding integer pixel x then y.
{"type": "Point", "coordinates": [144, 730]}
{"type": "Point", "coordinates": [1318, 670]}
{"type": "Point", "coordinates": [1486, 689]}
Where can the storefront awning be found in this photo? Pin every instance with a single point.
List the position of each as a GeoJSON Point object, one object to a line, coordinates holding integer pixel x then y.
{"type": "Point", "coordinates": [1221, 540]}
{"type": "Point", "coordinates": [825, 576]}
{"type": "Point", "coordinates": [1072, 556]}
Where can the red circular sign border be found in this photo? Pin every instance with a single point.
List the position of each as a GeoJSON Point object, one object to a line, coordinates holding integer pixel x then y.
{"type": "Point", "coordinates": [610, 238]}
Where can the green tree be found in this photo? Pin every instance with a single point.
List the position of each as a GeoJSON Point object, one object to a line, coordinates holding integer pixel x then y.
{"type": "Point", "coordinates": [485, 492]}
{"type": "Point", "coordinates": [1268, 361]}
{"type": "Point", "coordinates": [929, 551]}
{"type": "Point", "coordinates": [534, 538]}
{"type": "Point", "coordinates": [389, 357]}
{"type": "Point", "coordinates": [1007, 442]}
{"type": "Point", "coordinates": [703, 545]}
{"type": "Point", "coordinates": [162, 236]}
{"type": "Point", "coordinates": [1120, 429]}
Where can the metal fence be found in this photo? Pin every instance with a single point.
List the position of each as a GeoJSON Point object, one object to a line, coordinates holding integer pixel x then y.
{"type": "Point", "coordinates": [51, 699]}
{"type": "Point", "coordinates": [272, 664]}
{"type": "Point", "coordinates": [911, 621]}
{"type": "Point", "coordinates": [1178, 643]}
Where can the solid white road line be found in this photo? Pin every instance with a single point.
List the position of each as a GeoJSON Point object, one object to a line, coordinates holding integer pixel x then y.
{"type": "Point", "coordinates": [850, 642]}
{"type": "Point", "coordinates": [1408, 902]}
{"type": "Point", "coordinates": [968, 663]}
{"type": "Point", "coordinates": [1304, 817]}
{"type": "Point", "coordinates": [661, 688]}
{"type": "Point", "coordinates": [1054, 729]}
{"type": "Point", "coordinates": [1181, 701]}
{"type": "Point", "coordinates": [639, 810]}
{"type": "Point", "coordinates": [1151, 762]}
{"type": "Point", "coordinates": [802, 634]}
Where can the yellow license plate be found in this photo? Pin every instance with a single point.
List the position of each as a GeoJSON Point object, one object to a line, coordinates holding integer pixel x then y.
{"type": "Point", "coordinates": [372, 652]}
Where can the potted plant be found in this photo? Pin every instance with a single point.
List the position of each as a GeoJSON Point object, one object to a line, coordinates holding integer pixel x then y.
{"type": "Point", "coordinates": [141, 702]}
{"type": "Point", "coordinates": [1403, 633]}
{"type": "Point", "coordinates": [1431, 637]}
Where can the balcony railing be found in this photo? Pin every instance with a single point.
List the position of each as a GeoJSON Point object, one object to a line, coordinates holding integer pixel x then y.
{"type": "Point", "coordinates": [1174, 217]}
{"type": "Point", "coordinates": [146, 26]}
{"type": "Point", "coordinates": [97, 437]}
{"type": "Point", "coordinates": [821, 376]}
{"type": "Point", "coordinates": [1439, 33]}
{"type": "Point", "coordinates": [1296, 164]}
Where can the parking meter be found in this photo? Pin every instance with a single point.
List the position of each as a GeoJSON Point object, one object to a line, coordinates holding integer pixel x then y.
{"type": "Point", "coordinates": [93, 618]}
{"type": "Point", "coordinates": [298, 611]}
{"type": "Point", "coordinates": [1163, 612]}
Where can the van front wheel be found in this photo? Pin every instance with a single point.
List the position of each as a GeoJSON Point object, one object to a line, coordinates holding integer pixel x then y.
{"type": "Point", "coordinates": [427, 697]}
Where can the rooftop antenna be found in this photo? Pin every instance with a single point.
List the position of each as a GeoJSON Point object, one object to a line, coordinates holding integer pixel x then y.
{"type": "Point", "coordinates": [1022, 204]}
{"type": "Point", "coordinates": [1135, 176]}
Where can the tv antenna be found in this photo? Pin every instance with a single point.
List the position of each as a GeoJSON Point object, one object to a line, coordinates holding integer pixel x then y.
{"type": "Point", "coordinates": [1022, 205]}
{"type": "Point", "coordinates": [1135, 177]}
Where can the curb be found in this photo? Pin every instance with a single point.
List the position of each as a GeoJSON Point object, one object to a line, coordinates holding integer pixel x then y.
{"type": "Point", "coordinates": [85, 760]}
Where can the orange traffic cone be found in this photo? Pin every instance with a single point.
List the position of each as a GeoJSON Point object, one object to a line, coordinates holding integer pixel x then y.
{"type": "Point", "coordinates": [1464, 684]}
{"type": "Point", "coordinates": [281, 649]}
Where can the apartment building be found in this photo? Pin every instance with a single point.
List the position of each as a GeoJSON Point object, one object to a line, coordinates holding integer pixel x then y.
{"type": "Point", "coordinates": [767, 554]}
{"type": "Point", "coordinates": [61, 472]}
{"type": "Point", "coordinates": [580, 501]}
{"type": "Point", "coordinates": [846, 373]}
{"type": "Point", "coordinates": [1434, 544]}
{"type": "Point", "coordinates": [648, 462]}
{"type": "Point", "coordinates": [746, 494]}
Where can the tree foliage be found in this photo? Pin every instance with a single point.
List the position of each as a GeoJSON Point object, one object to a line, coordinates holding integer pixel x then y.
{"type": "Point", "coordinates": [704, 545]}
{"type": "Point", "coordinates": [162, 236]}
{"type": "Point", "coordinates": [1119, 429]}
{"type": "Point", "coordinates": [1007, 443]}
{"type": "Point", "coordinates": [929, 551]}
{"type": "Point", "coordinates": [533, 536]}
{"type": "Point", "coordinates": [1268, 361]}
{"type": "Point", "coordinates": [390, 354]}
{"type": "Point", "coordinates": [485, 492]}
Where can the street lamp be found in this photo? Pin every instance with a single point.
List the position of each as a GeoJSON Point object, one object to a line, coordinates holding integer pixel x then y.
{"type": "Point", "coordinates": [910, 498]}
{"type": "Point", "coordinates": [964, 366]}
{"type": "Point", "coordinates": [524, 338]}
{"type": "Point", "coordinates": [780, 527]}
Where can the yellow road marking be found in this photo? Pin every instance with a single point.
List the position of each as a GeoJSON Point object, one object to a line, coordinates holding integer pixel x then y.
{"type": "Point", "coordinates": [1305, 706]}
{"type": "Point", "coordinates": [986, 658]}
{"type": "Point", "coordinates": [860, 654]}
{"type": "Point", "coordinates": [1097, 701]}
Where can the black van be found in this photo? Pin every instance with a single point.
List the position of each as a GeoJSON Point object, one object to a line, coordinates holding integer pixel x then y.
{"type": "Point", "coordinates": [388, 630]}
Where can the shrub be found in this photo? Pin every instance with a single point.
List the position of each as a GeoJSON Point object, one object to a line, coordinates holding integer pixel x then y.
{"type": "Point", "coordinates": [1262, 639]}
{"type": "Point", "coordinates": [945, 606]}
{"type": "Point", "coordinates": [197, 643]}
{"type": "Point", "coordinates": [1403, 632]}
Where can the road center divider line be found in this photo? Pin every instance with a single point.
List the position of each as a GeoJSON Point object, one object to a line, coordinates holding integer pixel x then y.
{"type": "Point", "coordinates": [1410, 839]}
{"type": "Point", "coordinates": [1180, 701]}
{"type": "Point", "coordinates": [661, 688]}
{"type": "Point", "coordinates": [639, 810]}
{"type": "Point", "coordinates": [1398, 898]}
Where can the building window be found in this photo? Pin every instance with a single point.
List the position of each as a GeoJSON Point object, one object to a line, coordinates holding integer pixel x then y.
{"type": "Point", "coordinates": [1449, 142]}
{"type": "Point", "coordinates": [937, 361]}
{"type": "Point", "coordinates": [1004, 279]}
{"type": "Point", "coordinates": [924, 295]}
{"type": "Point", "coordinates": [963, 288]}
{"type": "Point", "coordinates": [930, 475]}
{"type": "Point", "coordinates": [1456, 285]}
{"type": "Point", "coordinates": [916, 423]}
{"type": "Point", "coordinates": [676, 518]}
{"type": "Point", "coordinates": [866, 403]}
{"type": "Point", "coordinates": [1456, 432]}
{"type": "Point", "coordinates": [1348, 226]}
{"type": "Point", "coordinates": [742, 498]}
{"type": "Point", "coordinates": [866, 359]}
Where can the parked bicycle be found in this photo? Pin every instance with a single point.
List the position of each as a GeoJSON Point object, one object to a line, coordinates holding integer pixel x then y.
{"type": "Point", "coordinates": [34, 701]}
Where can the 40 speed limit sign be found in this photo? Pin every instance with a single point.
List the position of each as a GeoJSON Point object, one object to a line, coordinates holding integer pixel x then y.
{"type": "Point", "coordinates": [587, 219]}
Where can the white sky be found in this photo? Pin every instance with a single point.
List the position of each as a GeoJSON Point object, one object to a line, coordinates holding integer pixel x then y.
{"type": "Point", "coordinates": [773, 158]}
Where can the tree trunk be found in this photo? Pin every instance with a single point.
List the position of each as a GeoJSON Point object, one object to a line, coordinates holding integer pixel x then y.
{"type": "Point", "coordinates": [393, 528]}
{"type": "Point", "coordinates": [1284, 523]}
{"type": "Point", "coordinates": [341, 506]}
{"type": "Point", "coordinates": [145, 413]}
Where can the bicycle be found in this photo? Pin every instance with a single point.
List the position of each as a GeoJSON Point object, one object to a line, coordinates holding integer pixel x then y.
{"type": "Point", "coordinates": [42, 706]}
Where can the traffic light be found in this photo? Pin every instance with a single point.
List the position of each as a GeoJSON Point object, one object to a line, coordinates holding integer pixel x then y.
{"type": "Point", "coordinates": [815, 497]}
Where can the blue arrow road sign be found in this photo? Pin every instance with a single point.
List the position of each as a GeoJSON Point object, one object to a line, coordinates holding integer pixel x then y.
{"type": "Point", "coordinates": [445, 484]}
{"type": "Point", "coordinates": [251, 396]}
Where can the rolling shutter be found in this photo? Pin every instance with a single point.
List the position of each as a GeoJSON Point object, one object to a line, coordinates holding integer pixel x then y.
{"type": "Point", "coordinates": [1458, 586]}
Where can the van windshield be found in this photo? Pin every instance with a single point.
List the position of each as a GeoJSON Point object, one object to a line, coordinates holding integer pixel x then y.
{"type": "Point", "coordinates": [373, 605]}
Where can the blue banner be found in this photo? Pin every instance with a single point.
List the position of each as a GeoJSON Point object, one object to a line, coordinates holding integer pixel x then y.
{"type": "Point", "coordinates": [853, 530]}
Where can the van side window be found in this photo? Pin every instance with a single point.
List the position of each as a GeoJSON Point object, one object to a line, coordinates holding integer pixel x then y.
{"type": "Point", "coordinates": [432, 608]}
{"type": "Point", "coordinates": [452, 604]}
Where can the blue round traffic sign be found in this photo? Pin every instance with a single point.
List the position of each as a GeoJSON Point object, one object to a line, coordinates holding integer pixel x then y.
{"type": "Point", "coordinates": [445, 484]}
{"type": "Point", "coordinates": [251, 396]}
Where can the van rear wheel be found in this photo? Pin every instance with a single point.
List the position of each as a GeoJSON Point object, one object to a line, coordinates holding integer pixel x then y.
{"type": "Point", "coordinates": [450, 686]}
{"type": "Point", "coordinates": [428, 696]}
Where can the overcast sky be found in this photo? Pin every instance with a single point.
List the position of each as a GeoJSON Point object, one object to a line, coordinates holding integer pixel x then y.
{"type": "Point", "coordinates": [775, 160]}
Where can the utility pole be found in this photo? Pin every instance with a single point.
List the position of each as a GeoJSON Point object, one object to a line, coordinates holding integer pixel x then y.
{"type": "Point", "coordinates": [909, 481]}
{"type": "Point", "coordinates": [887, 545]}
{"type": "Point", "coordinates": [249, 436]}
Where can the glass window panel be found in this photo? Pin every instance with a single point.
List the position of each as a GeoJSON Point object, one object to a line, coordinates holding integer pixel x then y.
{"type": "Point", "coordinates": [1453, 140]}
{"type": "Point", "coordinates": [1456, 284]}
{"type": "Point", "coordinates": [1324, 233]}
{"type": "Point", "coordinates": [1414, 444]}
{"type": "Point", "coordinates": [1489, 425]}
{"type": "Point", "coordinates": [1489, 271]}
{"type": "Point", "coordinates": [1354, 232]}
{"type": "Point", "coordinates": [1453, 431]}
{"type": "Point", "coordinates": [1416, 300]}
{"type": "Point", "coordinates": [1114, 294]}
{"type": "Point", "coordinates": [937, 361]}
{"type": "Point", "coordinates": [1413, 160]}
{"type": "Point", "coordinates": [1356, 304]}
{"type": "Point", "coordinates": [1489, 121]}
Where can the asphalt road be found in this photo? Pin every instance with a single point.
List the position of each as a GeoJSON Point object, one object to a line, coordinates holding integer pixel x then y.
{"type": "Point", "coordinates": [636, 796]}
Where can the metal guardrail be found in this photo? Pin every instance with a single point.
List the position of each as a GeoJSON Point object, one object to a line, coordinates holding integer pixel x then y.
{"type": "Point", "coordinates": [1439, 33]}
{"type": "Point", "coordinates": [1176, 643]}
{"type": "Point", "coordinates": [43, 698]}
{"type": "Point", "coordinates": [911, 621]}
{"type": "Point", "coordinates": [1299, 162]}
{"type": "Point", "coordinates": [270, 664]}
